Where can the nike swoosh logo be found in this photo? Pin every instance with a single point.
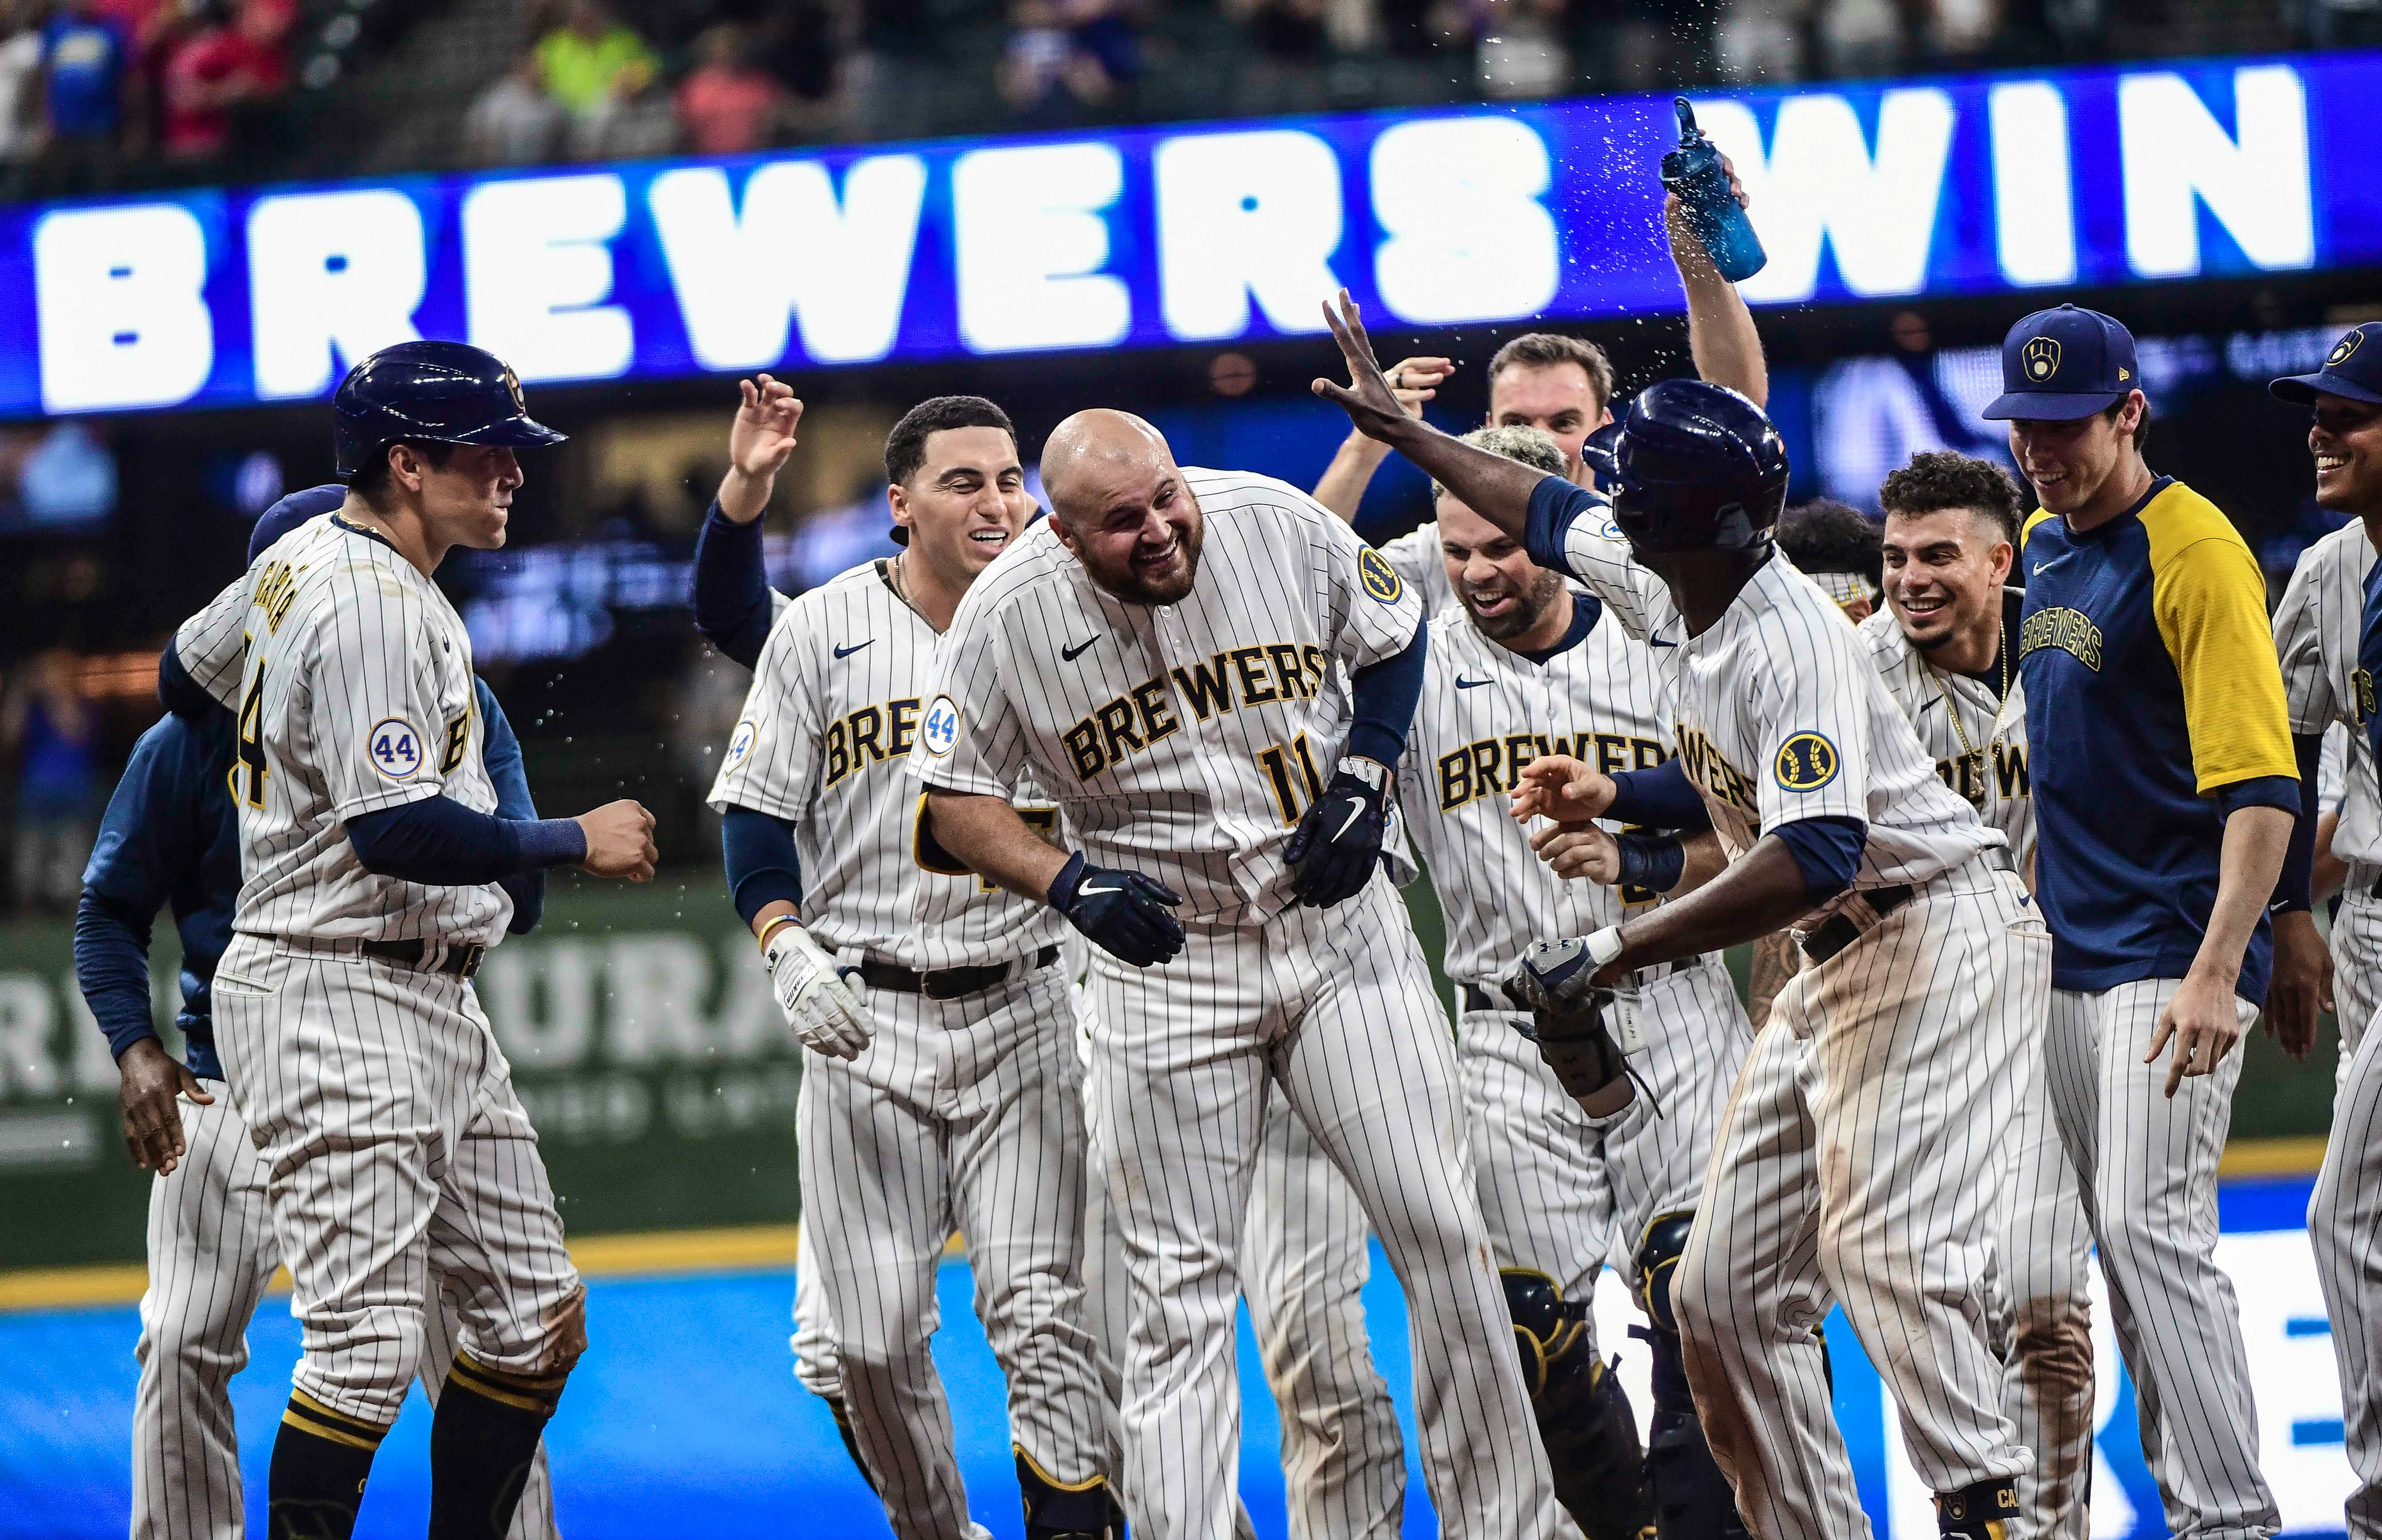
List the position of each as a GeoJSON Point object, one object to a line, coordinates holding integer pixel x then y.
{"type": "Point", "coordinates": [1071, 653]}
{"type": "Point", "coordinates": [847, 652]}
{"type": "Point", "coordinates": [1347, 824]}
{"type": "Point", "coordinates": [2039, 569]}
{"type": "Point", "coordinates": [1658, 642]}
{"type": "Point", "coordinates": [1462, 683]}
{"type": "Point", "coordinates": [1088, 891]}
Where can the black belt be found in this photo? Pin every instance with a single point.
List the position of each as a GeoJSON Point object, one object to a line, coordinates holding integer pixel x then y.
{"type": "Point", "coordinates": [1497, 997]}
{"type": "Point", "coordinates": [1839, 932]}
{"type": "Point", "coordinates": [948, 984]}
{"type": "Point", "coordinates": [461, 961]}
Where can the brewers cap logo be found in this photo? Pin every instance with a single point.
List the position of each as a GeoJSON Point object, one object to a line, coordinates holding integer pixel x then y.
{"type": "Point", "coordinates": [939, 728]}
{"type": "Point", "coordinates": [2040, 358]}
{"type": "Point", "coordinates": [1380, 579]}
{"type": "Point", "coordinates": [1806, 763]}
{"type": "Point", "coordinates": [512, 385]}
{"type": "Point", "coordinates": [2346, 346]}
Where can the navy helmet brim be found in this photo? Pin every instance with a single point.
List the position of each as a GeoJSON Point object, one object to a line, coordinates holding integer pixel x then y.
{"type": "Point", "coordinates": [519, 432]}
{"type": "Point", "coordinates": [2303, 389]}
{"type": "Point", "coordinates": [2050, 406]}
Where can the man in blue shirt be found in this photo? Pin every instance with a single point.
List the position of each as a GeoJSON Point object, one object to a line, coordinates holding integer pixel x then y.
{"type": "Point", "coordinates": [2165, 792]}
{"type": "Point", "coordinates": [170, 839]}
{"type": "Point", "coordinates": [86, 75]}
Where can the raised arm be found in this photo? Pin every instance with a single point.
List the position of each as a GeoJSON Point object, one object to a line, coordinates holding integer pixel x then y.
{"type": "Point", "coordinates": [1721, 334]}
{"type": "Point", "coordinates": [1342, 488]}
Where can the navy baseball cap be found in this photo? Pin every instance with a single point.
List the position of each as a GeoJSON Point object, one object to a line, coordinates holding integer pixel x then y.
{"type": "Point", "coordinates": [2063, 364]}
{"type": "Point", "coordinates": [2354, 369]}
{"type": "Point", "coordinates": [291, 511]}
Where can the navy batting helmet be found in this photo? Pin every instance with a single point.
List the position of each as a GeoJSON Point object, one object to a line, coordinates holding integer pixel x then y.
{"type": "Point", "coordinates": [1697, 468]}
{"type": "Point", "coordinates": [431, 392]}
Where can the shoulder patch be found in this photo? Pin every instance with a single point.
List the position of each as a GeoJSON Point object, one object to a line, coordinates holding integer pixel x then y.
{"type": "Point", "coordinates": [739, 744]}
{"type": "Point", "coordinates": [394, 749]}
{"type": "Point", "coordinates": [938, 731]}
{"type": "Point", "coordinates": [1806, 763]}
{"type": "Point", "coordinates": [1380, 579]}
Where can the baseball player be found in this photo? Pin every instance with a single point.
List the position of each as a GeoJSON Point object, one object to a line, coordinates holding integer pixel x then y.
{"type": "Point", "coordinates": [355, 1051]}
{"type": "Point", "coordinates": [2325, 639]}
{"type": "Point", "coordinates": [943, 1085]}
{"type": "Point", "coordinates": [1305, 1260]}
{"type": "Point", "coordinates": [1524, 666]}
{"type": "Point", "coordinates": [170, 839]}
{"type": "Point", "coordinates": [2162, 822]}
{"type": "Point", "coordinates": [1156, 654]}
{"type": "Point", "coordinates": [1942, 646]}
{"type": "Point", "coordinates": [1563, 386]}
{"type": "Point", "coordinates": [1927, 978]}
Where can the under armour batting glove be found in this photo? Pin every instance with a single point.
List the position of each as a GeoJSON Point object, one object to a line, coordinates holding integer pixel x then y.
{"type": "Point", "coordinates": [1567, 1013]}
{"type": "Point", "coordinates": [1123, 913]}
{"type": "Point", "coordinates": [1335, 846]}
{"type": "Point", "coordinates": [821, 1000]}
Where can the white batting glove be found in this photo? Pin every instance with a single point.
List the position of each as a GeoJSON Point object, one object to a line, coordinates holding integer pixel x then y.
{"type": "Point", "coordinates": [822, 1002]}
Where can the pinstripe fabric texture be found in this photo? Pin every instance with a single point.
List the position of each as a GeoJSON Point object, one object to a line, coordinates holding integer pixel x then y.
{"type": "Point", "coordinates": [2357, 965]}
{"type": "Point", "coordinates": [2153, 1203]}
{"type": "Point", "coordinates": [985, 1135]}
{"type": "Point", "coordinates": [1333, 1011]}
{"type": "Point", "coordinates": [352, 677]}
{"type": "Point", "coordinates": [816, 1367]}
{"type": "Point", "coordinates": [211, 1253]}
{"type": "Point", "coordinates": [1859, 1164]}
{"type": "Point", "coordinates": [394, 1150]}
{"type": "Point", "coordinates": [2045, 1242]}
{"type": "Point", "coordinates": [1417, 557]}
{"type": "Point", "coordinates": [2317, 627]}
{"type": "Point", "coordinates": [2344, 1220]}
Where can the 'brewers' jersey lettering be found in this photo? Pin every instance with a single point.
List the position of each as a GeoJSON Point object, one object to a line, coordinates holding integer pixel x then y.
{"type": "Point", "coordinates": [2071, 631]}
{"type": "Point", "coordinates": [1707, 768]}
{"type": "Point", "coordinates": [1490, 765]}
{"type": "Point", "coordinates": [275, 587]}
{"type": "Point", "coordinates": [871, 735]}
{"type": "Point", "coordinates": [1132, 721]}
{"type": "Point", "coordinates": [458, 737]}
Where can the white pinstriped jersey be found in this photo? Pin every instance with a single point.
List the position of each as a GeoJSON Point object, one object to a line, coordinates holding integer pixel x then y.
{"type": "Point", "coordinates": [1181, 741]}
{"type": "Point", "coordinates": [826, 729]}
{"type": "Point", "coordinates": [2316, 628]}
{"type": "Point", "coordinates": [352, 677]}
{"type": "Point", "coordinates": [1421, 561]}
{"type": "Point", "coordinates": [1982, 754]}
{"type": "Point", "coordinates": [1485, 713]}
{"type": "Point", "coordinates": [1779, 716]}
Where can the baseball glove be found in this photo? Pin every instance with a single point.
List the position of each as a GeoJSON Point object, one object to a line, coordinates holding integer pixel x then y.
{"type": "Point", "coordinates": [1568, 1015]}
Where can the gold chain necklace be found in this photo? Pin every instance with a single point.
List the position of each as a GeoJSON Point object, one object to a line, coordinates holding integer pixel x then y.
{"type": "Point", "coordinates": [1953, 706]}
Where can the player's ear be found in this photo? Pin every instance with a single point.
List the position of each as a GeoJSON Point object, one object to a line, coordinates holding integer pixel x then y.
{"type": "Point", "coordinates": [2004, 555]}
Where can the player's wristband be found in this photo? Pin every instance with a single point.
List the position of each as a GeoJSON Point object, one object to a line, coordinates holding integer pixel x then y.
{"type": "Point", "coordinates": [1655, 862]}
{"type": "Point", "coordinates": [1604, 946]}
{"type": "Point", "coordinates": [773, 927]}
{"type": "Point", "coordinates": [1063, 886]}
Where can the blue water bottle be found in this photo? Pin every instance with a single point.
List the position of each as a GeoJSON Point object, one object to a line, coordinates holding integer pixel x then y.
{"type": "Point", "coordinates": [1693, 171]}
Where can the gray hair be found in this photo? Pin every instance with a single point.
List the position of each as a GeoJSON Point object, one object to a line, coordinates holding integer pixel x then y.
{"type": "Point", "coordinates": [1517, 442]}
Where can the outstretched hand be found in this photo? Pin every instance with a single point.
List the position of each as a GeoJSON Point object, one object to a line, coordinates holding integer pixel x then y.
{"type": "Point", "coordinates": [1367, 397]}
{"type": "Point", "coordinates": [759, 443]}
{"type": "Point", "coordinates": [1560, 787]}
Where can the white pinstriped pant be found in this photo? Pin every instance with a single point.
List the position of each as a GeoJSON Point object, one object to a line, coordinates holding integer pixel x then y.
{"type": "Point", "coordinates": [963, 1114]}
{"type": "Point", "coordinates": [1563, 1193]}
{"type": "Point", "coordinates": [2345, 1211]}
{"type": "Point", "coordinates": [2152, 1206]}
{"type": "Point", "coordinates": [1332, 1010]}
{"type": "Point", "coordinates": [394, 1150]}
{"type": "Point", "coordinates": [211, 1253]}
{"type": "Point", "coordinates": [1861, 1162]}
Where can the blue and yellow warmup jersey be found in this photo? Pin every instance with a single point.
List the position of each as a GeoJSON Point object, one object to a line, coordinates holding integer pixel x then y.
{"type": "Point", "coordinates": [2150, 689]}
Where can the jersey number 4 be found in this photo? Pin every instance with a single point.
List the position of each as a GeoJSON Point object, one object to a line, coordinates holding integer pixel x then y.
{"type": "Point", "coordinates": [248, 764]}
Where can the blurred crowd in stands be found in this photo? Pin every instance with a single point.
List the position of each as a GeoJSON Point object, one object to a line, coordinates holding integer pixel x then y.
{"type": "Point", "coordinates": [104, 93]}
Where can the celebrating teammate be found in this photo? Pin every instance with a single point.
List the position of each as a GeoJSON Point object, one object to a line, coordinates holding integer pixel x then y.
{"type": "Point", "coordinates": [2165, 792]}
{"type": "Point", "coordinates": [1927, 977]}
{"type": "Point", "coordinates": [170, 837]}
{"type": "Point", "coordinates": [943, 1086]}
{"type": "Point", "coordinates": [1527, 666]}
{"type": "Point", "coordinates": [1944, 648]}
{"type": "Point", "coordinates": [1163, 655]}
{"type": "Point", "coordinates": [2330, 652]}
{"type": "Point", "coordinates": [354, 1050]}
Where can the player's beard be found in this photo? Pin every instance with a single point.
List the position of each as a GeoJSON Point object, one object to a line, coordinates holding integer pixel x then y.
{"type": "Point", "coordinates": [1134, 586]}
{"type": "Point", "coordinates": [1529, 607]}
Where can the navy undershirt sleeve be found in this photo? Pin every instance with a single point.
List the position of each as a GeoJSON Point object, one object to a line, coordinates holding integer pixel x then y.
{"type": "Point", "coordinates": [2295, 887]}
{"type": "Point", "coordinates": [1662, 798]}
{"type": "Point", "coordinates": [179, 694]}
{"type": "Point", "coordinates": [731, 588]}
{"type": "Point", "coordinates": [1555, 504]}
{"type": "Point", "coordinates": [500, 751]}
{"type": "Point", "coordinates": [2280, 791]}
{"type": "Point", "coordinates": [111, 954]}
{"type": "Point", "coordinates": [1383, 696]}
{"type": "Point", "coordinates": [762, 865]}
{"type": "Point", "coordinates": [1827, 851]}
{"type": "Point", "coordinates": [441, 843]}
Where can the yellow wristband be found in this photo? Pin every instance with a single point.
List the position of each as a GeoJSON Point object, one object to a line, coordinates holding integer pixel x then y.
{"type": "Point", "coordinates": [770, 929]}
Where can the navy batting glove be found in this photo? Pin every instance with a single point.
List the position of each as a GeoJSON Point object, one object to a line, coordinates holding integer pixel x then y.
{"type": "Point", "coordinates": [1335, 846]}
{"type": "Point", "coordinates": [1123, 913]}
